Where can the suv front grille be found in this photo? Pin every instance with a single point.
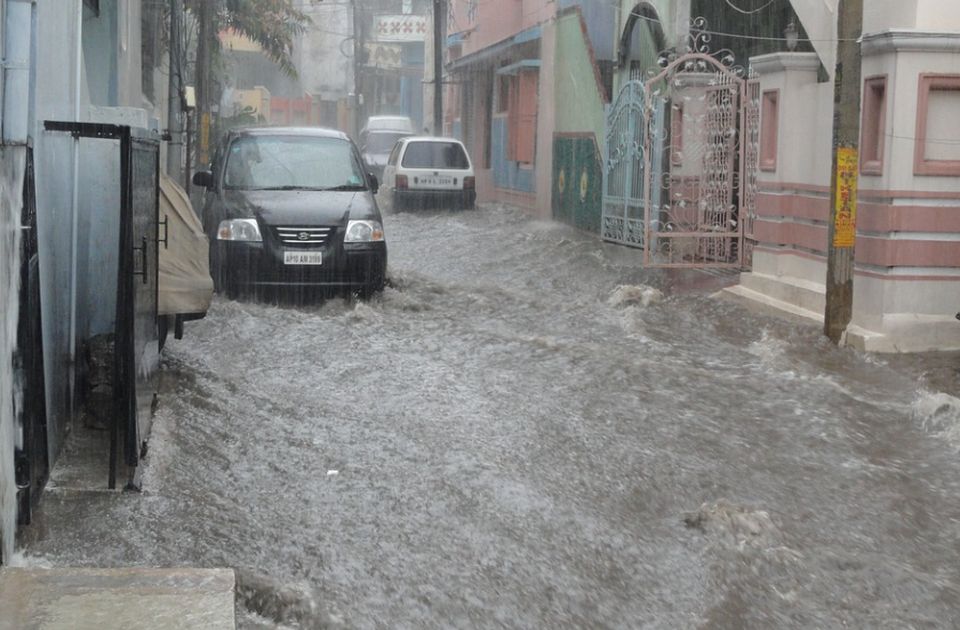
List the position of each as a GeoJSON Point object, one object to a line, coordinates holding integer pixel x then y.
{"type": "Point", "coordinates": [303, 236]}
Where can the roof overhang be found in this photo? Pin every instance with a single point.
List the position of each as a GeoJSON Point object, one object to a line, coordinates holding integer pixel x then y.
{"type": "Point", "coordinates": [489, 53]}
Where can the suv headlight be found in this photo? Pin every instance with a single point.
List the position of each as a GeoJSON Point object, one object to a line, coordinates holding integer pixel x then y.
{"type": "Point", "coordinates": [239, 230]}
{"type": "Point", "coordinates": [363, 232]}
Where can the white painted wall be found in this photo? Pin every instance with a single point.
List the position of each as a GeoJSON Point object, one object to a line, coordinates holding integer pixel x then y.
{"type": "Point", "coordinates": [804, 104]}
{"type": "Point", "coordinates": [903, 72]}
{"type": "Point", "coordinates": [324, 70]}
{"type": "Point", "coordinates": [880, 15]}
{"type": "Point", "coordinates": [546, 121]}
{"type": "Point", "coordinates": [938, 15]}
{"type": "Point", "coordinates": [819, 20]}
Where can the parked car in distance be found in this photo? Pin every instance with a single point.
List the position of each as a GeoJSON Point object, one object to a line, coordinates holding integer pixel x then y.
{"type": "Point", "coordinates": [292, 208]}
{"type": "Point", "coordinates": [429, 171]}
{"type": "Point", "coordinates": [376, 148]}
{"type": "Point", "coordinates": [387, 123]}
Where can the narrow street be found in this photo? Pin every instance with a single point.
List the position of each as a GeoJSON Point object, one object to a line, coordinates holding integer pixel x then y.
{"type": "Point", "coordinates": [504, 439]}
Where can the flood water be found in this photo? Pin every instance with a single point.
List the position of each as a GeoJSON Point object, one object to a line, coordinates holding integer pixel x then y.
{"type": "Point", "coordinates": [504, 439]}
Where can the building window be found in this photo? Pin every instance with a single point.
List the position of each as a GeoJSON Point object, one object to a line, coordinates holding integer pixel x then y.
{"type": "Point", "coordinates": [522, 118]}
{"type": "Point", "coordinates": [769, 129]}
{"type": "Point", "coordinates": [937, 146]}
{"type": "Point", "coordinates": [873, 125]}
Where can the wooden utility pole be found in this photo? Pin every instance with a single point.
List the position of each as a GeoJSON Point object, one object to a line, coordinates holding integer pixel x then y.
{"type": "Point", "coordinates": [175, 146]}
{"type": "Point", "coordinates": [358, 118]}
{"type": "Point", "coordinates": [204, 36]}
{"type": "Point", "coordinates": [846, 165]}
{"type": "Point", "coordinates": [438, 24]}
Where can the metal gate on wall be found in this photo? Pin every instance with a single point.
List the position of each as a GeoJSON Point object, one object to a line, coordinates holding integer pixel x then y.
{"type": "Point", "coordinates": [680, 161]}
{"type": "Point", "coordinates": [135, 349]}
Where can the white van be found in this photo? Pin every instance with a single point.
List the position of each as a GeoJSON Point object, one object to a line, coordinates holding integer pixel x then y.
{"type": "Point", "coordinates": [429, 171]}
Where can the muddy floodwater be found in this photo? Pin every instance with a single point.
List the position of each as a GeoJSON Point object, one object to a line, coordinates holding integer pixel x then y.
{"type": "Point", "coordinates": [529, 430]}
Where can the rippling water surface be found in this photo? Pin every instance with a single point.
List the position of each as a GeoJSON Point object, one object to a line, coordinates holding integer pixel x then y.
{"type": "Point", "coordinates": [506, 439]}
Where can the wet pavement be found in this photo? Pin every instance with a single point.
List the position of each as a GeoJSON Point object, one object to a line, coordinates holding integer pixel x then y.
{"type": "Point", "coordinates": [505, 439]}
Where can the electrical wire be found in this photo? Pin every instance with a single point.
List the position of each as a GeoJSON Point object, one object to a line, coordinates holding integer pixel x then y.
{"type": "Point", "coordinates": [746, 12]}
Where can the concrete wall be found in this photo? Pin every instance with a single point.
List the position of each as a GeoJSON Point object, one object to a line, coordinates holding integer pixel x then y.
{"type": "Point", "coordinates": [600, 19]}
{"type": "Point", "coordinates": [791, 227]}
{"type": "Point", "coordinates": [54, 89]}
{"type": "Point", "coordinates": [578, 94]}
{"type": "Point", "coordinates": [907, 253]}
{"type": "Point", "coordinates": [547, 118]}
{"type": "Point", "coordinates": [880, 15]}
{"type": "Point", "coordinates": [908, 236]}
{"type": "Point", "coordinates": [75, 248]}
{"type": "Point", "coordinates": [324, 70]}
{"type": "Point", "coordinates": [578, 136]}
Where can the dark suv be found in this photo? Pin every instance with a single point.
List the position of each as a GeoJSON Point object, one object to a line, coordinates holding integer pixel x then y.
{"type": "Point", "coordinates": [292, 208]}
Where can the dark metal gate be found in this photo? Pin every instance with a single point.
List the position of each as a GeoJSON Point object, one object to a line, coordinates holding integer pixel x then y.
{"type": "Point", "coordinates": [32, 460]}
{"type": "Point", "coordinates": [136, 349]}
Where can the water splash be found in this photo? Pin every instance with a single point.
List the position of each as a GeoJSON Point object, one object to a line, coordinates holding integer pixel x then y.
{"type": "Point", "coordinates": [630, 295]}
{"type": "Point", "coordinates": [281, 603]}
{"type": "Point", "coordinates": [939, 414]}
{"type": "Point", "coordinates": [768, 348]}
{"type": "Point", "coordinates": [11, 179]}
{"type": "Point", "coordinates": [733, 525]}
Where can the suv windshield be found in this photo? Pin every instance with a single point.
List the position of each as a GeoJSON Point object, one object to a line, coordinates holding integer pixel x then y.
{"type": "Point", "coordinates": [449, 155]}
{"type": "Point", "coordinates": [382, 141]}
{"type": "Point", "coordinates": [290, 162]}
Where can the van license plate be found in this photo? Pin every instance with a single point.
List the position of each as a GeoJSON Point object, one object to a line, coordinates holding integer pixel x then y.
{"type": "Point", "coordinates": [436, 181]}
{"type": "Point", "coordinates": [302, 258]}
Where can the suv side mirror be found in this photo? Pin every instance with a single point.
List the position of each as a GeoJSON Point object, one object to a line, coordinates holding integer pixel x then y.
{"type": "Point", "coordinates": [203, 178]}
{"type": "Point", "coordinates": [374, 183]}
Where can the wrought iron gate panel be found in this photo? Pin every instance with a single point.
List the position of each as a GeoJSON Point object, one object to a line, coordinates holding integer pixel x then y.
{"type": "Point", "coordinates": [691, 133]}
{"type": "Point", "coordinates": [623, 215]}
{"type": "Point", "coordinates": [751, 157]}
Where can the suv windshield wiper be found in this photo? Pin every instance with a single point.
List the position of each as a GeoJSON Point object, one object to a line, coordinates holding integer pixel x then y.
{"type": "Point", "coordinates": [347, 187]}
{"type": "Point", "coordinates": [291, 187]}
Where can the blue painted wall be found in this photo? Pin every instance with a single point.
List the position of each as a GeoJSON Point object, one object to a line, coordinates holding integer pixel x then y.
{"type": "Point", "coordinates": [507, 173]}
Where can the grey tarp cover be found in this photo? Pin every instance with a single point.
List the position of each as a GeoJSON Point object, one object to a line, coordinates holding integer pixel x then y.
{"type": "Point", "coordinates": [185, 285]}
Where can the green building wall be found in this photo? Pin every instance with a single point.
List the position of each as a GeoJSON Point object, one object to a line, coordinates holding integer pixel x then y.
{"type": "Point", "coordinates": [578, 137]}
{"type": "Point", "coordinates": [581, 102]}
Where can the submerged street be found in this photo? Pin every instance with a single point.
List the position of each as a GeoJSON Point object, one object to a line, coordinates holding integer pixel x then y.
{"type": "Point", "coordinates": [504, 438]}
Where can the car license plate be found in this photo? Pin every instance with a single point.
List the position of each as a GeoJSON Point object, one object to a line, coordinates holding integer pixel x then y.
{"type": "Point", "coordinates": [436, 181]}
{"type": "Point", "coordinates": [302, 258]}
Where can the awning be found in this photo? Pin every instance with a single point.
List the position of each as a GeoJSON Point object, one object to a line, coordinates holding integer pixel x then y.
{"type": "Point", "coordinates": [516, 68]}
{"type": "Point", "coordinates": [457, 38]}
{"type": "Point", "coordinates": [530, 35]}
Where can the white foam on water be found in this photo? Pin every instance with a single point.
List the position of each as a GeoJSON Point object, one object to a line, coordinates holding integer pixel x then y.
{"type": "Point", "coordinates": [939, 415]}
{"type": "Point", "coordinates": [631, 295]}
{"type": "Point", "coordinates": [23, 560]}
{"type": "Point", "coordinates": [768, 348]}
{"type": "Point", "coordinates": [11, 179]}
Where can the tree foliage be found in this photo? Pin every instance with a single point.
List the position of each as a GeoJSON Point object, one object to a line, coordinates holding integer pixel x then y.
{"type": "Point", "coordinates": [273, 24]}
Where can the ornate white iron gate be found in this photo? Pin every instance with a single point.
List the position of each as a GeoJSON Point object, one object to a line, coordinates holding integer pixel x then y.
{"type": "Point", "coordinates": [681, 160]}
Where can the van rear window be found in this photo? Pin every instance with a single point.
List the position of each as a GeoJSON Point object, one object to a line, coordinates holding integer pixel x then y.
{"type": "Point", "coordinates": [447, 155]}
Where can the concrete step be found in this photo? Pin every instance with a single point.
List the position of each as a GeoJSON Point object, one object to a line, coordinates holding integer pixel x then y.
{"type": "Point", "coordinates": [801, 294]}
{"type": "Point", "coordinates": [762, 302]}
{"type": "Point", "coordinates": [102, 599]}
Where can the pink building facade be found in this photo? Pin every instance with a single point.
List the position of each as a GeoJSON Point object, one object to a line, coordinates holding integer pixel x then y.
{"type": "Point", "coordinates": [907, 251]}
{"type": "Point", "coordinates": [498, 100]}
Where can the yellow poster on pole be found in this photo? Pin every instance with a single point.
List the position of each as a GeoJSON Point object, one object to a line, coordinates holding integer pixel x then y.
{"type": "Point", "coordinates": [205, 138]}
{"type": "Point", "coordinates": [845, 222]}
